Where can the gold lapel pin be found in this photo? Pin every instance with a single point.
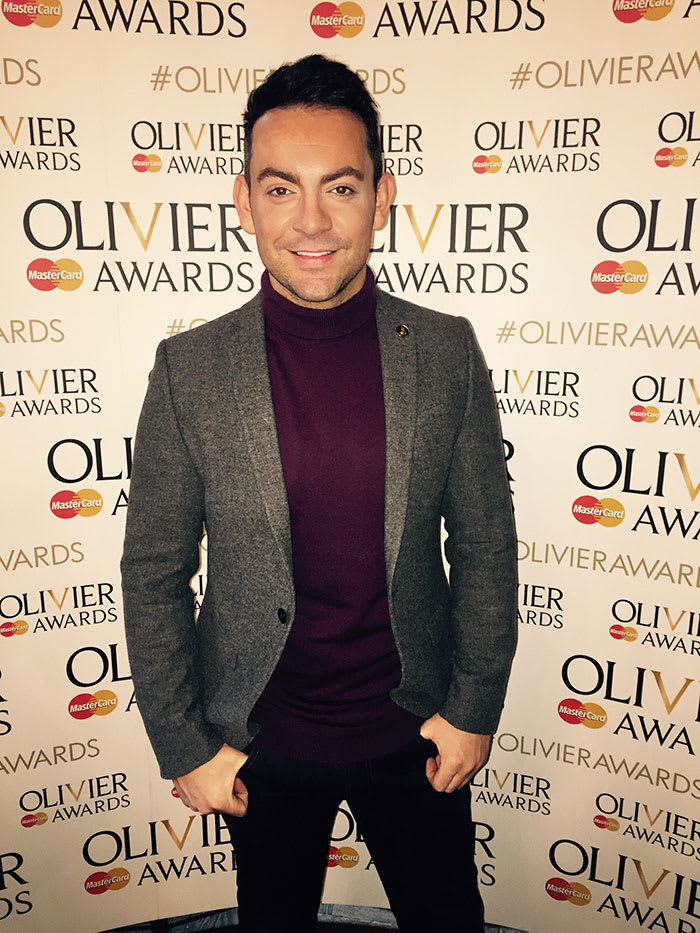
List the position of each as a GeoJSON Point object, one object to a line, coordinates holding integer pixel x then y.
{"type": "Point", "coordinates": [402, 330]}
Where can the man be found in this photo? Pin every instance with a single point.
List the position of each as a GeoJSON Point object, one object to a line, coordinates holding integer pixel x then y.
{"type": "Point", "coordinates": [319, 433]}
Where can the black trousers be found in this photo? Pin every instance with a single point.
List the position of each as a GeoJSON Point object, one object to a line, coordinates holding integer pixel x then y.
{"type": "Point", "coordinates": [421, 841]}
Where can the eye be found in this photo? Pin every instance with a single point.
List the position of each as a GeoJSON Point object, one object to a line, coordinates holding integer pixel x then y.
{"type": "Point", "coordinates": [344, 190]}
{"type": "Point", "coordinates": [278, 191]}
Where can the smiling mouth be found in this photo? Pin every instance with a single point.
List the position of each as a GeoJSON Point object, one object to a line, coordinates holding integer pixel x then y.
{"type": "Point", "coordinates": [313, 254]}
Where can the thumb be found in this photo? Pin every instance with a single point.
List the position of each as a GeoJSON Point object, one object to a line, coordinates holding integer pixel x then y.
{"type": "Point", "coordinates": [239, 798]}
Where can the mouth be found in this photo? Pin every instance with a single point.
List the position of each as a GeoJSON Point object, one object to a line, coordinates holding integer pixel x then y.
{"type": "Point", "coordinates": [312, 259]}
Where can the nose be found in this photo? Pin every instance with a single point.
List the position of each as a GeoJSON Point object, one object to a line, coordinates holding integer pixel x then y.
{"type": "Point", "coordinates": [311, 218]}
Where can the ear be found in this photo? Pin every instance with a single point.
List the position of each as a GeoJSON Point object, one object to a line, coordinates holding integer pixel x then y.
{"type": "Point", "coordinates": [384, 198]}
{"type": "Point", "coordinates": [241, 198]}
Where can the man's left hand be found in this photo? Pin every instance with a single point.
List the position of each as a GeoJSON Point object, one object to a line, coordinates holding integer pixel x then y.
{"type": "Point", "coordinates": [460, 754]}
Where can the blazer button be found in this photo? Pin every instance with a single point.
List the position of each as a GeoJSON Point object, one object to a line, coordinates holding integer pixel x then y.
{"type": "Point", "coordinates": [282, 616]}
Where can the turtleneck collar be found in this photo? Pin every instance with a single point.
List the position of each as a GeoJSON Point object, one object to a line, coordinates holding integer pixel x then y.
{"type": "Point", "coordinates": [319, 324]}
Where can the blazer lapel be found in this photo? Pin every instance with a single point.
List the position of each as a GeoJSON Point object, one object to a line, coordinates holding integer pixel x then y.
{"type": "Point", "coordinates": [398, 355]}
{"type": "Point", "coordinates": [251, 388]}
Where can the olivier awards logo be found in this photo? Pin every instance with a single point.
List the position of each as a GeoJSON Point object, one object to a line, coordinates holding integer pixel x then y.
{"type": "Point", "coordinates": [39, 143]}
{"type": "Point", "coordinates": [650, 698]}
{"type": "Point", "coordinates": [70, 801]}
{"type": "Point", "coordinates": [71, 460]}
{"type": "Point", "coordinates": [184, 148]}
{"type": "Point", "coordinates": [568, 144]}
{"type": "Point", "coordinates": [677, 127]}
{"type": "Point", "coordinates": [158, 851]}
{"type": "Point", "coordinates": [58, 609]}
{"type": "Point", "coordinates": [16, 894]}
{"type": "Point", "coordinates": [682, 393]}
{"type": "Point", "coordinates": [600, 467]}
{"type": "Point", "coordinates": [663, 226]}
{"type": "Point", "coordinates": [34, 392]}
{"type": "Point", "coordinates": [656, 626]}
{"type": "Point", "coordinates": [657, 827]}
{"type": "Point", "coordinates": [90, 666]}
{"type": "Point", "coordinates": [622, 886]}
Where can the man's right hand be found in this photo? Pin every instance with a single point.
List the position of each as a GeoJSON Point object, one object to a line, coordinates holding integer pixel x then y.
{"type": "Point", "coordinates": [213, 787]}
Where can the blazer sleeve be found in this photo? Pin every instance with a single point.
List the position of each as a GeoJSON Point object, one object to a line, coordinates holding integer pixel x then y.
{"type": "Point", "coordinates": [481, 549]}
{"type": "Point", "coordinates": [161, 554]}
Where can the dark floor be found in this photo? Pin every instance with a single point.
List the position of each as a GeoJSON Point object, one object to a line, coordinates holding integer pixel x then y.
{"type": "Point", "coordinates": [326, 928]}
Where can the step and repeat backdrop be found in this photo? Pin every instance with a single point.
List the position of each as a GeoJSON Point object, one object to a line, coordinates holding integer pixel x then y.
{"type": "Point", "coordinates": [547, 156]}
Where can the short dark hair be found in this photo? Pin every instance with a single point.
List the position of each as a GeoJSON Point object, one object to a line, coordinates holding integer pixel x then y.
{"type": "Point", "coordinates": [315, 81]}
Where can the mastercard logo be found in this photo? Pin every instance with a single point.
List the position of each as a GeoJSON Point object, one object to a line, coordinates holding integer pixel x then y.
{"type": "Point", "coordinates": [147, 163]}
{"type": "Point", "coordinates": [606, 822]}
{"type": "Point", "coordinates": [623, 632]}
{"type": "Point", "coordinates": [113, 880]}
{"type": "Point", "coordinates": [47, 274]}
{"type": "Point", "coordinates": [482, 164]}
{"type": "Point", "coordinates": [575, 712]}
{"type": "Point", "coordinates": [85, 705]}
{"type": "Point", "coordinates": [588, 510]}
{"type": "Point", "coordinates": [675, 157]}
{"type": "Point", "coordinates": [648, 413]}
{"type": "Point", "coordinates": [627, 277]}
{"type": "Point", "coordinates": [33, 819]}
{"type": "Point", "coordinates": [345, 19]}
{"type": "Point", "coordinates": [562, 890]}
{"type": "Point", "coordinates": [342, 857]}
{"type": "Point", "coordinates": [28, 14]}
{"type": "Point", "coordinates": [17, 627]}
{"type": "Point", "coordinates": [68, 504]}
{"type": "Point", "coordinates": [631, 11]}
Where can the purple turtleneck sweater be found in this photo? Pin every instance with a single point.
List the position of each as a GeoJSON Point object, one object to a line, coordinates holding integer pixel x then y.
{"type": "Point", "coordinates": [328, 698]}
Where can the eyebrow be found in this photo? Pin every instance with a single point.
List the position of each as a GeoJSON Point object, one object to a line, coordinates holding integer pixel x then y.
{"type": "Point", "coordinates": [344, 172]}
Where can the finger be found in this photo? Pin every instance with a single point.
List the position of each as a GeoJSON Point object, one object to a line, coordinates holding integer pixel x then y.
{"type": "Point", "coordinates": [182, 795]}
{"type": "Point", "coordinates": [239, 799]}
{"type": "Point", "coordinates": [457, 783]}
{"type": "Point", "coordinates": [444, 776]}
{"type": "Point", "coordinates": [431, 770]}
{"type": "Point", "coordinates": [461, 779]}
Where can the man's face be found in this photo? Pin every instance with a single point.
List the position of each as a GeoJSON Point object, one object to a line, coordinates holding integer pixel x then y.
{"type": "Point", "coordinates": [311, 202]}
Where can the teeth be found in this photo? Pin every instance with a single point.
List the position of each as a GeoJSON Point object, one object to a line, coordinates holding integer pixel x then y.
{"type": "Point", "coordinates": [306, 253]}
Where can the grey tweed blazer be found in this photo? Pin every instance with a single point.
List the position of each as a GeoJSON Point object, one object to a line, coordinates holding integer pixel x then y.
{"type": "Point", "coordinates": [206, 456]}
